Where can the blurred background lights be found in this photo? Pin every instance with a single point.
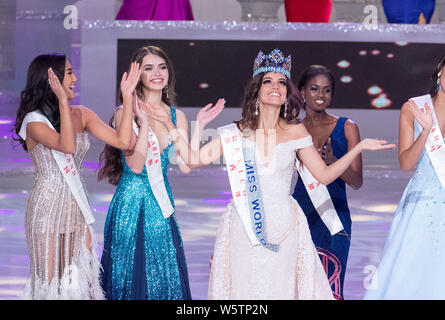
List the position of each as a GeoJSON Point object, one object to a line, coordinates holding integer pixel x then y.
{"type": "Point", "coordinates": [374, 90]}
{"type": "Point", "coordinates": [346, 79]}
{"type": "Point", "coordinates": [204, 85]}
{"type": "Point", "coordinates": [343, 64]}
{"type": "Point", "coordinates": [381, 102]}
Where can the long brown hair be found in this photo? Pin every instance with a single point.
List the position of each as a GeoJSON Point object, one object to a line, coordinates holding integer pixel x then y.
{"type": "Point", "coordinates": [111, 157]}
{"type": "Point", "coordinates": [250, 120]}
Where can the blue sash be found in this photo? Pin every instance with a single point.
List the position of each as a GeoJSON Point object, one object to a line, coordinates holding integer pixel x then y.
{"type": "Point", "coordinates": [254, 199]}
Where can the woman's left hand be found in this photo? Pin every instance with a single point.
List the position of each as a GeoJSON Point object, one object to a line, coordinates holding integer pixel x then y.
{"type": "Point", "coordinates": [158, 113]}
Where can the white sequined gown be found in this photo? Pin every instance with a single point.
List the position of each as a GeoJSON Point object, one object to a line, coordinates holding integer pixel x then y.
{"type": "Point", "coordinates": [242, 271]}
{"type": "Point", "coordinates": [61, 264]}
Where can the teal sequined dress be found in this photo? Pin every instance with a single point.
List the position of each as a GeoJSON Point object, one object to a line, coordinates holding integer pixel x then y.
{"type": "Point", "coordinates": [143, 255]}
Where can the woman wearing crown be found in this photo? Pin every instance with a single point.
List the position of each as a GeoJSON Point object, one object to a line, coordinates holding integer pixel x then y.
{"type": "Point", "coordinates": [263, 247]}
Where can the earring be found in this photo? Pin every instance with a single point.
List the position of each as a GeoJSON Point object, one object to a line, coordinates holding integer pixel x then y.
{"type": "Point", "coordinates": [438, 81]}
{"type": "Point", "coordinates": [166, 91]}
{"type": "Point", "coordinates": [257, 106]}
{"type": "Point", "coordinates": [286, 103]}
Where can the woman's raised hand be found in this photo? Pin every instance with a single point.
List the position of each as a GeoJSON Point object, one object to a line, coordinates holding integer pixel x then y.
{"type": "Point", "coordinates": [56, 86]}
{"type": "Point", "coordinates": [159, 113]}
{"type": "Point", "coordinates": [130, 80]}
{"type": "Point", "coordinates": [424, 118]}
{"type": "Point", "coordinates": [207, 114]}
{"type": "Point", "coordinates": [139, 110]}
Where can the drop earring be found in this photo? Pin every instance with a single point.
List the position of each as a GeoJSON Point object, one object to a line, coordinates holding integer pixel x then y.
{"type": "Point", "coordinates": [166, 91]}
{"type": "Point", "coordinates": [257, 106]}
{"type": "Point", "coordinates": [286, 103]}
{"type": "Point", "coordinates": [438, 81]}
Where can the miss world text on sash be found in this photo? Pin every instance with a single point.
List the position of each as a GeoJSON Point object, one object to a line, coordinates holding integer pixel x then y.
{"type": "Point", "coordinates": [244, 184]}
{"type": "Point", "coordinates": [256, 207]}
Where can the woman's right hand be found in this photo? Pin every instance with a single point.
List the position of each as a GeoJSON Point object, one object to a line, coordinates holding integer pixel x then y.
{"type": "Point", "coordinates": [56, 86]}
{"type": "Point", "coordinates": [130, 80]}
{"type": "Point", "coordinates": [425, 119]}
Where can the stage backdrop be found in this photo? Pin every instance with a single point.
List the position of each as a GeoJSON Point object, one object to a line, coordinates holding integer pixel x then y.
{"type": "Point", "coordinates": [376, 68]}
{"type": "Point", "coordinates": [368, 75]}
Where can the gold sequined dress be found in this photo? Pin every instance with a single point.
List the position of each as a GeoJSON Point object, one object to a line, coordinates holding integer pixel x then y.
{"type": "Point", "coordinates": [63, 262]}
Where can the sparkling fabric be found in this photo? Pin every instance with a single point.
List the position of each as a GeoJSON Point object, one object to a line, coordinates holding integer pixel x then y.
{"type": "Point", "coordinates": [143, 255]}
{"type": "Point", "coordinates": [63, 266]}
{"type": "Point", "coordinates": [350, 31]}
{"type": "Point", "coordinates": [339, 243]}
{"type": "Point", "coordinates": [242, 271]}
{"type": "Point", "coordinates": [412, 265]}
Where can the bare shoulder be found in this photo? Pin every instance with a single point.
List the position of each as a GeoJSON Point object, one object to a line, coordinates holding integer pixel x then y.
{"type": "Point", "coordinates": [181, 119]}
{"type": "Point", "coordinates": [352, 132]}
{"type": "Point", "coordinates": [351, 126]}
{"type": "Point", "coordinates": [406, 108]}
{"type": "Point", "coordinates": [79, 112]}
{"type": "Point", "coordinates": [83, 110]}
{"type": "Point", "coordinates": [85, 114]}
{"type": "Point", "coordinates": [180, 114]}
{"type": "Point", "coordinates": [405, 111]}
{"type": "Point", "coordinates": [296, 131]}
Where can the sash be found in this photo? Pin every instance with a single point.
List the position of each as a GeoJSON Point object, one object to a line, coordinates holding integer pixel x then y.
{"type": "Point", "coordinates": [245, 187]}
{"type": "Point", "coordinates": [321, 199]}
{"type": "Point", "coordinates": [65, 162]}
{"type": "Point", "coordinates": [154, 172]}
{"type": "Point", "coordinates": [434, 145]}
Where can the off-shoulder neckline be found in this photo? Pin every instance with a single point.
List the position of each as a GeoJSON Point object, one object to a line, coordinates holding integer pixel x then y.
{"type": "Point", "coordinates": [284, 142]}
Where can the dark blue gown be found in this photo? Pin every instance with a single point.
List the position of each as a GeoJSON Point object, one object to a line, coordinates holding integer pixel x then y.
{"type": "Point", "coordinates": [338, 244]}
{"type": "Point", "coordinates": [143, 255]}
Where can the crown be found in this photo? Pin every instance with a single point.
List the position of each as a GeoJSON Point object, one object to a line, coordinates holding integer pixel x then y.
{"type": "Point", "coordinates": [273, 62]}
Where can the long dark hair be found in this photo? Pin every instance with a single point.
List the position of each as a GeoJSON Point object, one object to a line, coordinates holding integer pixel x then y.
{"type": "Point", "coordinates": [38, 95]}
{"type": "Point", "coordinates": [250, 120]}
{"type": "Point", "coordinates": [313, 71]}
{"type": "Point", "coordinates": [435, 76]}
{"type": "Point", "coordinates": [111, 157]}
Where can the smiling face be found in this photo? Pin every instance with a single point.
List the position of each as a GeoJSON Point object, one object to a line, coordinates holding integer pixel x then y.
{"type": "Point", "coordinates": [154, 72]}
{"type": "Point", "coordinates": [317, 93]}
{"type": "Point", "coordinates": [69, 80]}
{"type": "Point", "coordinates": [273, 89]}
